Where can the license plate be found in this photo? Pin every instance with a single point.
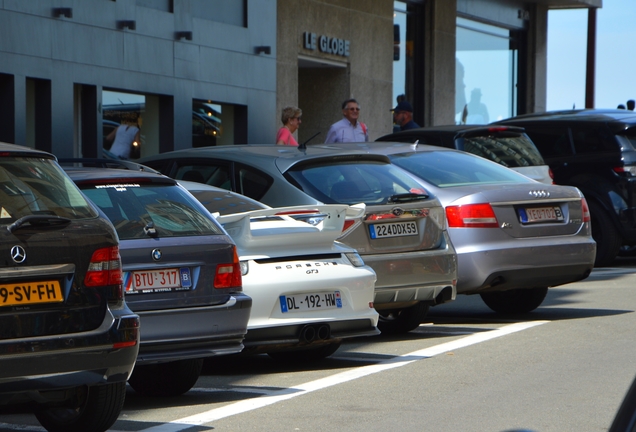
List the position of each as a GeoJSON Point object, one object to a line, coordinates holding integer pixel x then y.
{"type": "Point", "coordinates": [303, 302]}
{"type": "Point", "coordinates": [393, 229]}
{"type": "Point", "coordinates": [540, 214]}
{"type": "Point", "coordinates": [158, 280]}
{"type": "Point", "coordinates": [30, 293]}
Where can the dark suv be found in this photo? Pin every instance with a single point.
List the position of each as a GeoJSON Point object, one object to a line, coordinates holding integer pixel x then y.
{"type": "Point", "coordinates": [507, 145]}
{"type": "Point", "coordinates": [68, 341]}
{"type": "Point", "coordinates": [593, 150]}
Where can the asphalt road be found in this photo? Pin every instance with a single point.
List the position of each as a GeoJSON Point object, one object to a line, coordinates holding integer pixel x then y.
{"type": "Point", "coordinates": [564, 367]}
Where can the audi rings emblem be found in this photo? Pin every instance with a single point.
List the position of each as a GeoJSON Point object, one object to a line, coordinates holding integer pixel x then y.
{"type": "Point", "coordinates": [539, 194]}
{"type": "Point", "coordinates": [397, 211]}
{"type": "Point", "coordinates": [156, 254]}
{"type": "Point", "coordinates": [18, 254]}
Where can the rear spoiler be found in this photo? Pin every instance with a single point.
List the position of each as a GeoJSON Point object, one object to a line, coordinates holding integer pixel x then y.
{"type": "Point", "coordinates": [238, 225]}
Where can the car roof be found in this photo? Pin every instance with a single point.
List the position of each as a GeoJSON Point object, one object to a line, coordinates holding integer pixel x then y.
{"type": "Point", "coordinates": [283, 157]}
{"type": "Point", "coordinates": [604, 115]}
{"type": "Point", "coordinates": [81, 174]}
{"type": "Point", "coordinates": [449, 129]}
{"type": "Point", "coordinates": [390, 148]}
{"type": "Point", "coordinates": [27, 151]}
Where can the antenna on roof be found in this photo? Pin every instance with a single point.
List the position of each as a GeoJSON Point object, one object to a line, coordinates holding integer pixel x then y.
{"type": "Point", "coordinates": [415, 144]}
{"type": "Point", "coordinates": [303, 146]}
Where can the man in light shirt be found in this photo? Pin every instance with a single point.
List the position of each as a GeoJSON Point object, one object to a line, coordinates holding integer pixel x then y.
{"type": "Point", "coordinates": [349, 129]}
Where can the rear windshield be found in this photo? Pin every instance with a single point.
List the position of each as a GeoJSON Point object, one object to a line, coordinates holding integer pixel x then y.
{"type": "Point", "coordinates": [225, 202]}
{"type": "Point", "coordinates": [355, 182]}
{"type": "Point", "coordinates": [34, 186]}
{"type": "Point", "coordinates": [509, 149]}
{"type": "Point", "coordinates": [137, 208]}
{"type": "Point", "coordinates": [449, 168]}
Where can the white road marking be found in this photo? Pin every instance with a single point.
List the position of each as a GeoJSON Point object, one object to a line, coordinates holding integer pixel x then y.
{"type": "Point", "coordinates": [339, 378]}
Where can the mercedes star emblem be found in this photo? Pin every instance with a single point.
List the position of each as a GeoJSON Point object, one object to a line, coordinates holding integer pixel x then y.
{"type": "Point", "coordinates": [18, 254]}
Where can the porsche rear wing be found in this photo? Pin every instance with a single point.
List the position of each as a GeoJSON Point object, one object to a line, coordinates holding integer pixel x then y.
{"type": "Point", "coordinates": [250, 234]}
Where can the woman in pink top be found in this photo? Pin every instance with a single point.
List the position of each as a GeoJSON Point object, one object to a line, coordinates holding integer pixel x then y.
{"type": "Point", "coordinates": [291, 120]}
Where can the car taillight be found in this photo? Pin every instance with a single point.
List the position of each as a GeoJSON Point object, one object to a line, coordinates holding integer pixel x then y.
{"type": "Point", "coordinates": [229, 275]}
{"type": "Point", "coordinates": [104, 268]}
{"type": "Point", "coordinates": [471, 216]}
{"type": "Point", "coordinates": [585, 210]}
{"type": "Point", "coordinates": [551, 174]}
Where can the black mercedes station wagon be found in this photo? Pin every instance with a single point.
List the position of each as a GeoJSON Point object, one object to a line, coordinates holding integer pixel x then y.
{"type": "Point", "coordinates": [68, 341]}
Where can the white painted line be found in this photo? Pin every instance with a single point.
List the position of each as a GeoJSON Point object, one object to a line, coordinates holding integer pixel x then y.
{"type": "Point", "coordinates": [339, 378]}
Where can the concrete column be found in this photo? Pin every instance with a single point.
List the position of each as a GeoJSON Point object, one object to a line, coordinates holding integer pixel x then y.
{"type": "Point", "coordinates": [536, 61]}
{"type": "Point", "coordinates": [440, 47]}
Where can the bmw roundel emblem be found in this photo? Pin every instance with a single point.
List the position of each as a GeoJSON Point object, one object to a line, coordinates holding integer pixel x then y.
{"type": "Point", "coordinates": [18, 254]}
{"type": "Point", "coordinates": [156, 254]}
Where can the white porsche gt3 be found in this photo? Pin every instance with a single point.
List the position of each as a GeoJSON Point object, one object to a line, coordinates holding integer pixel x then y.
{"type": "Point", "coordinates": [309, 291]}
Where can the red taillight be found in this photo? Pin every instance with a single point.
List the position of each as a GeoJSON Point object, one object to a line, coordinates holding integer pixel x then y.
{"type": "Point", "coordinates": [348, 223]}
{"type": "Point", "coordinates": [585, 210]}
{"type": "Point", "coordinates": [229, 275]}
{"type": "Point", "coordinates": [551, 174]}
{"type": "Point", "coordinates": [471, 216]}
{"type": "Point", "coordinates": [119, 345]}
{"type": "Point", "coordinates": [104, 268]}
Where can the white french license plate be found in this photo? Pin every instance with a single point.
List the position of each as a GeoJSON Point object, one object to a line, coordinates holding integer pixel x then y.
{"type": "Point", "coordinates": [304, 302]}
{"type": "Point", "coordinates": [540, 214]}
{"type": "Point", "coordinates": [164, 279]}
{"type": "Point", "coordinates": [393, 229]}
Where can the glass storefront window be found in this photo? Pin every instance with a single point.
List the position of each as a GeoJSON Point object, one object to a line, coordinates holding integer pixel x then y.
{"type": "Point", "coordinates": [127, 110]}
{"type": "Point", "coordinates": [212, 123]}
{"type": "Point", "coordinates": [399, 54]}
{"type": "Point", "coordinates": [486, 73]}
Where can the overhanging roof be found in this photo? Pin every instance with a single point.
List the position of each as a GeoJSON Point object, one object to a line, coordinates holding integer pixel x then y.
{"type": "Point", "coordinates": [560, 4]}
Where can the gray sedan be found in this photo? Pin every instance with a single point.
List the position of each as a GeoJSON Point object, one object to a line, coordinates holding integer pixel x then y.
{"type": "Point", "coordinates": [514, 237]}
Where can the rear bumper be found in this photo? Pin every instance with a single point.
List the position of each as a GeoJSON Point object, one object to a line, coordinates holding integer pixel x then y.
{"type": "Point", "coordinates": [414, 276]}
{"type": "Point", "coordinates": [538, 265]}
{"type": "Point", "coordinates": [57, 362]}
{"type": "Point", "coordinates": [290, 336]}
{"type": "Point", "coordinates": [194, 332]}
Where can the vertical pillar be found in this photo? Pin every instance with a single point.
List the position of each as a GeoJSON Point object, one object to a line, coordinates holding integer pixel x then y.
{"type": "Point", "coordinates": [7, 108]}
{"type": "Point", "coordinates": [439, 50]}
{"type": "Point", "coordinates": [590, 67]}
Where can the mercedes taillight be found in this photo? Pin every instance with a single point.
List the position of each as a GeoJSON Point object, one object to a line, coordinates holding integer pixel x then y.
{"type": "Point", "coordinates": [471, 216]}
{"type": "Point", "coordinates": [104, 270]}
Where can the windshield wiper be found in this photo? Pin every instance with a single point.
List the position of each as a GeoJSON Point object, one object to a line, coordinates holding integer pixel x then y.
{"type": "Point", "coordinates": [407, 197]}
{"type": "Point", "coordinates": [38, 220]}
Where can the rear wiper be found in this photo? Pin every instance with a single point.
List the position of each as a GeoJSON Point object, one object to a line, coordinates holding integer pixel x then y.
{"type": "Point", "coordinates": [407, 197]}
{"type": "Point", "coordinates": [38, 220]}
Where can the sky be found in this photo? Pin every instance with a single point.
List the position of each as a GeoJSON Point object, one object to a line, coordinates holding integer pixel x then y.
{"type": "Point", "coordinates": [615, 56]}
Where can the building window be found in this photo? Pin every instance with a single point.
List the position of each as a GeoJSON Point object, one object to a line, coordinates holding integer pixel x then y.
{"type": "Point", "coordinates": [486, 73]}
{"type": "Point", "coordinates": [229, 12]}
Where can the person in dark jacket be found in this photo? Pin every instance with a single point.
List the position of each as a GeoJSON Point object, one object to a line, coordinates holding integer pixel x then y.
{"type": "Point", "coordinates": [403, 116]}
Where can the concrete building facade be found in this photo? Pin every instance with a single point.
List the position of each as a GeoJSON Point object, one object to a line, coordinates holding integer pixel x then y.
{"type": "Point", "coordinates": [218, 72]}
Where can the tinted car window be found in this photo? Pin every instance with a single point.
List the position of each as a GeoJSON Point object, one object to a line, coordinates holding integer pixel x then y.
{"type": "Point", "coordinates": [440, 169]}
{"type": "Point", "coordinates": [212, 173]}
{"type": "Point", "coordinates": [136, 207]}
{"type": "Point", "coordinates": [507, 149]}
{"type": "Point", "coordinates": [252, 183]}
{"type": "Point", "coordinates": [593, 140]}
{"type": "Point", "coordinates": [351, 183]}
{"type": "Point", "coordinates": [32, 186]}
{"type": "Point", "coordinates": [551, 141]}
